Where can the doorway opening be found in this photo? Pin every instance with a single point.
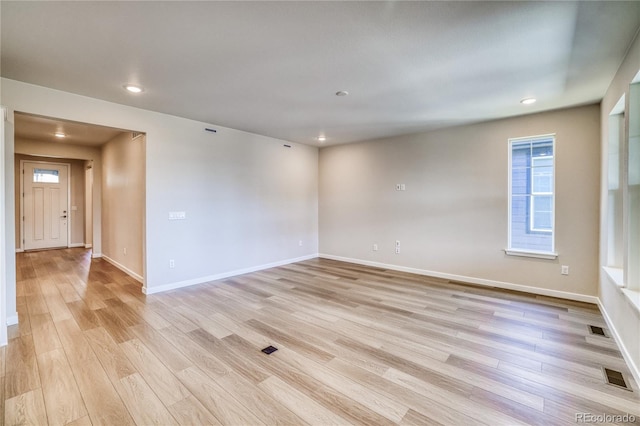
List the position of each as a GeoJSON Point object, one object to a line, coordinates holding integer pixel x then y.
{"type": "Point", "coordinates": [80, 185]}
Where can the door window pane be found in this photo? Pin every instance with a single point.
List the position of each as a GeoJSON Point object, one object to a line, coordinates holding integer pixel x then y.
{"type": "Point", "coordinates": [46, 176]}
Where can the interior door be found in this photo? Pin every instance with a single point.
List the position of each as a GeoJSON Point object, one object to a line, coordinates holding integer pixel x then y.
{"type": "Point", "coordinates": [45, 205]}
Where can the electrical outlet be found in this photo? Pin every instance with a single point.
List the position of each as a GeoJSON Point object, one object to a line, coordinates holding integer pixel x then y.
{"type": "Point", "coordinates": [397, 250]}
{"type": "Point", "coordinates": [375, 247]}
{"type": "Point", "coordinates": [172, 263]}
{"type": "Point", "coordinates": [402, 187]}
{"type": "Point", "coordinates": [398, 187]}
{"type": "Point", "coordinates": [564, 270]}
{"type": "Point", "coordinates": [397, 244]}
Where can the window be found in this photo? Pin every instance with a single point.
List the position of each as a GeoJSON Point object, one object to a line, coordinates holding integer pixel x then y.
{"type": "Point", "coordinates": [46, 176]}
{"type": "Point", "coordinates": [615, 188]}
{"type": "Point", "coordinates": [623, 197]}
{"type": "Point", "coordinates": [633, 190]}
{"type": "Point", "coordinates": [531, 196]}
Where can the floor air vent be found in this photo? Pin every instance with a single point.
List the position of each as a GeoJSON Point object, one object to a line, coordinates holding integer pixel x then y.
{"type": "Point", "coordinates": [615, 378]}
{"type": "Point", "coordinates": [599, 331]}
{"type": "Point", "coordinates": [269, 350]}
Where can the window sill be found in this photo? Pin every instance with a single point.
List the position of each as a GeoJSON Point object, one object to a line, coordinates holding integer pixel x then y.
{"type": "Point", "coordinates": [633, 296]}
{"type": "Point", "coordinates": [536, 254]}
{"type": "Point", "coordinates": [615, 274]}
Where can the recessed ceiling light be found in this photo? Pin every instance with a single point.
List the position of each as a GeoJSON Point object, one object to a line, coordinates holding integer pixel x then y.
{"type": "Point", "coordinates": [342, 93]}
{"type": "Point", "coordinates": [59, 135]}
{"type": "Point", "coordinates": [321, 138]}
{"type": "Point", "coordinates": [133, 88]}
{"type": "Point", "coordinates": [528, 101]}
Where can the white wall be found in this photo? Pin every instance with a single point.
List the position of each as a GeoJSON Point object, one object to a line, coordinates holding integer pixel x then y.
{"type": "Point", "coordinates": [248, 199]}
{"type": "Point", "coordinates": [452, 218]}
{"type": "Point", "coordinates": [3, 242]}
{"type": "Point", "coordinates": [123, 203]}
{"type": "Point", "coordinates": [624, 317]}
{"type": "Point", "coordinates": [9, 218]}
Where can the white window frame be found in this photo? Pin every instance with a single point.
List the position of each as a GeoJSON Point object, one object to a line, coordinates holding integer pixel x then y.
{"type": "Point", "coordinates": [510, 250]}
{"type": "Point", "coordinates": [537, 193]}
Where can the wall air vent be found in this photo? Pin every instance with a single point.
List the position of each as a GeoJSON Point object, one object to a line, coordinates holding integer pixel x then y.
{"type": "Point", "coordinates": [136, 135]}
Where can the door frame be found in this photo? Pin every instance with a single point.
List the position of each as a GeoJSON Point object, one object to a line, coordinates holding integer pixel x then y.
{"type": "Point", "coordinates": [68, 166]}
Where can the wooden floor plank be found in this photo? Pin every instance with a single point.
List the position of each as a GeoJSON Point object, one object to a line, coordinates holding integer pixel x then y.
{"type": "Point", "coordinates": [62, 397]}
{"type": "Point", "coordinates": [22, 373]}
{"type": "Point", "coordinates": [113, 360]}
{"type": "Point", "coordinates": [142, 403]}
{"type": "Point", "coordinates": [217, 400]}
{"type": "Point", "coordinates": [190, 411]}
{"type": "Point", "coordinates": [303, 406]}
{"type": "Point", "coordinates": [26, 409]}
{"type": "Point", "coordinates": [155, 373]}
{"type": "Point", "coordinates": [100, 397]}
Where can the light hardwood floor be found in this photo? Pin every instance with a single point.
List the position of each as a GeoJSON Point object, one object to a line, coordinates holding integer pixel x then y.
{"type": "Point", "coordinates": [356, 345]}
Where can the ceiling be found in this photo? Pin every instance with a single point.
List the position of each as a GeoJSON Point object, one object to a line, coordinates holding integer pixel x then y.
{"type": "Point", "coordinates": [273, 68]}
{"type": "Point", "coordinates": [34, 127]}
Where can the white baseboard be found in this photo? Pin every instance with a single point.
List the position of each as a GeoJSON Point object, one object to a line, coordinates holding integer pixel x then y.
{"type": "Point", "coordinates": [480, 281]}
{"type": "Point", "coordinates": [12, 319]}
{"type": "Point", "coordinates": [96, 255]}
{"type": "Point", "coordinates": [74, 245]}
{"type": "Point", "coordinates": [88, 246]}
{"type": "Point", "coordinates": [19, 250]}
{"type": "Point", "coordinates": [635, 370]}
{"type": "Point", "coordinates": [123, 268]}
{"type": "Point", "coordinates": [201, 280]}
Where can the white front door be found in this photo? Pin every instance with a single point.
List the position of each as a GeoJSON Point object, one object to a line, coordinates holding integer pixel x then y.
{"type": "Point", "coordinates": [45, 211]}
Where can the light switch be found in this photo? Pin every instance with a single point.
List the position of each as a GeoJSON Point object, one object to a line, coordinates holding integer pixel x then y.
{"type": "Point", "coordinates": [177, 215]}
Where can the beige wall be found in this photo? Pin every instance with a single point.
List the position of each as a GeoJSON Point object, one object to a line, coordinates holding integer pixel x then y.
{"type": "Point", "coordinates": [624, 317]}
{"type": "Point", "coordinates": [123, 194]}
{"type": "Point", "coordinates": [452, 218]}
{"type": "Point", "coordinates": [76, 152]}
{"type": "Point", "coordinates": [76, 179]}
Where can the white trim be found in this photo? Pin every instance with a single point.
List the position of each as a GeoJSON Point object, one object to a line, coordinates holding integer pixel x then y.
{"type": "Point", "coordinates": [123, 268]}
{"type": "Point", "coordinates": [96, 255]}
{"type": "Point", "coordinates": [633, 296]}
{"type": "Point", "coordinates": [19, 250]}
{"type": "Point", "coordinates": [531, 253]}
{"type": "Point", "coordinates": [635, 370]}
{"type": "Point", "coordinates": [3, 235]}
{"type": "Point", "coordinates": [88, 246]}
{"type": "Point", "coordinates": [615, 274]}
{"type": "Point", "coordinates": [480, 281]}
{"type": "Point", "coordinates": [201, 280]}
{"type": "Point", "coordinates": [74, 245]}
{"type": "Point", "coordinates": [12, 319]}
